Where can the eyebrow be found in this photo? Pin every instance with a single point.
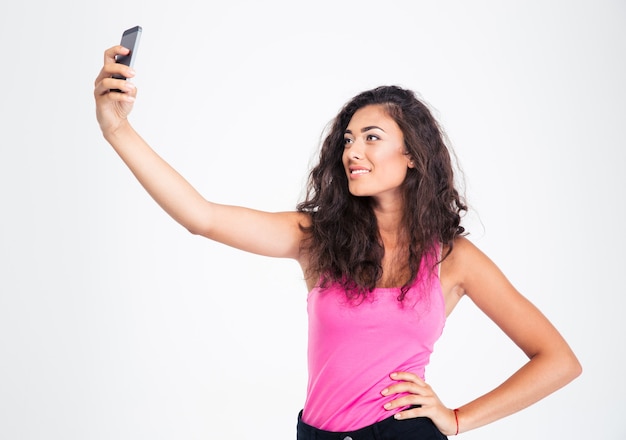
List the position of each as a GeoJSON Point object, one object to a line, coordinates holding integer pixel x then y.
{"type": "Point", "coordinates": [364, 129]}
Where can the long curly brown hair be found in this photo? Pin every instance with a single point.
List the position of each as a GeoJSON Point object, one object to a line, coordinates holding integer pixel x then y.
{"type": "Point", "coordinates": [344, 244]}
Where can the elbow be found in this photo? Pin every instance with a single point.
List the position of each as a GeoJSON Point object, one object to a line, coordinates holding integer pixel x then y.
{"type": "Point", "coordinates": [570, 367]}
{"type": "Point", "coordinates": [197, 229]}
{"type": "Point", "coordinates": [192, 230]}
{"type": "Point", "coordinates": [575, 367]}
{"type": "Point", "coordinates": [200, 223]}
{"type": "Point", "coordinates": [561, 366]}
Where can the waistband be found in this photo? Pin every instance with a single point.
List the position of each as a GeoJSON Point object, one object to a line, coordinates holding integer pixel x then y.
{"type": "Point", "coordinates": [385, 429]}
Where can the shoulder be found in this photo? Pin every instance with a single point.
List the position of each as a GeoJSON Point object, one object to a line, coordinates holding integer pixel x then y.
{"type": "Point", "coordinates": [458, 263]}
{"type": "Point", "coordinates": [458, 256]}
{"type": "Point", "coordinates": [467, 268]}
{"type": "Point", "coordinates": [472, 273]}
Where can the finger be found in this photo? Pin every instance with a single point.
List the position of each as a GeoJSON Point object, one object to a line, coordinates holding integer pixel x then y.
{"type": "Point", "coordinates": [405, 401]}
{"type": "Point", "coordinates": [117, 89]}
{"type": "Point", "coordinates": [111, 67]}
{"type": "Point", "coordinates": [406, 383]}
{"type": "Point", "coordinates": [405, 387]}
{"type": "Point", "coordinates": [106, 83]}
{"type": "Point", "coordinates": [112, 52]}
{"type": "Point", "coordinates": [109, 70]}
{"type": "Point", "coordinates": [410, 413]}
{"type": "Point", "coordinates": [406, 376]}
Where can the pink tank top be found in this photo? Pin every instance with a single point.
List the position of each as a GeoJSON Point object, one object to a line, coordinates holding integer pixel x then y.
{"type": "Point", "coordinates": [353, 347]}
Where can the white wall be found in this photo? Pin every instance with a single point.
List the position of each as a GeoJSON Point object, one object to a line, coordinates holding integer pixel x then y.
{"type": "Point", "coordinates": [117, 323]}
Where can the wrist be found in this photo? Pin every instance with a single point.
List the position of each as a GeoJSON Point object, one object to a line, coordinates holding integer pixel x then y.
{"type": "Point", "coordinates": [113, 133]}
{"type": "Point", "coordinates": [453, 426]}
{"type": "Point", "coordinates": [456, 419]}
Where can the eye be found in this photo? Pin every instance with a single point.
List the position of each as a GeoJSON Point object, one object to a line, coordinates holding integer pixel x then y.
{"type": "Point", "coordinates": [347, 141]}
{"type": "Point", "coordinates": [372, 137]}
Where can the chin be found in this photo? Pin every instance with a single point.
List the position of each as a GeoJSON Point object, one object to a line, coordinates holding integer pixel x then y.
{"type": "Point", "coordinates": [358, 193]}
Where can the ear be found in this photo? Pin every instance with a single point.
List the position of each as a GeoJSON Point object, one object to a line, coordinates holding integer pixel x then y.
{"type": "Point", "coordinates": [411, 164]}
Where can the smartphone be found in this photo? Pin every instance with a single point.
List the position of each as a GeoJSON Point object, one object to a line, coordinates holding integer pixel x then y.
{"type": "Point", "coordinates": [130, 40]}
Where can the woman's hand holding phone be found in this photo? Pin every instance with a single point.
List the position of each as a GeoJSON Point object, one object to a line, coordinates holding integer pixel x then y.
{"type": "Point", "coordinates": [114, 94]}
{"type": "Point", "coordinates": [112, 108]}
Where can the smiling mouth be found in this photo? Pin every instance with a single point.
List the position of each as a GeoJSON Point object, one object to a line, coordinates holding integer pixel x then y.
{"type": "Point", "coordinates": [359, 171]}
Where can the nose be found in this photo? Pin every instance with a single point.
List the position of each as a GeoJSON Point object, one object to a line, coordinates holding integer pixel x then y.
{"type": "Point", "coordinates": [356, 150]}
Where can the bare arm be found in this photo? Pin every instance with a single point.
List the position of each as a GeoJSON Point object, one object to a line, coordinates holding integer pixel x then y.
{"type": "Point", "coordinates": [271, 234]}
{"type": "Point", "coordinates": [551, 365]}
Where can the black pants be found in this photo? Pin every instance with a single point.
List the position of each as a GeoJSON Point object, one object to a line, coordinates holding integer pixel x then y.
{"type": "Point", "coordinates": [420, 428]}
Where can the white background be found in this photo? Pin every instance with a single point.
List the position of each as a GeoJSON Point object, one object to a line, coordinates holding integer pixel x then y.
{"type": "Point", "coordinates": [115, 323]}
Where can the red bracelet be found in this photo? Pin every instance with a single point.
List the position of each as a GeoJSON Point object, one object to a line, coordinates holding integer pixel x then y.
{"type": "Point", "coordinates": [456, 418]}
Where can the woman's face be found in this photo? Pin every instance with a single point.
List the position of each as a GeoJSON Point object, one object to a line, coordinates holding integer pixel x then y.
{"type": "Point", "coordinates": [374, 156]}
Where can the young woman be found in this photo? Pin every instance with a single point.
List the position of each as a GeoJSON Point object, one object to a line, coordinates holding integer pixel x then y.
{"type": "Point", "coordinates": [380, 244]}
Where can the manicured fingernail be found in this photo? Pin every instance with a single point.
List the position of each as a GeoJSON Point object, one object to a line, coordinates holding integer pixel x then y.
{"type": "Point", "coordinates": [385, 391]}
{"type": "Point", "coordinates": [392, 375]}
{"type": "Point", "coordinates": [387, 405]}
{"type": "Point", "coordinates": [397, 416]}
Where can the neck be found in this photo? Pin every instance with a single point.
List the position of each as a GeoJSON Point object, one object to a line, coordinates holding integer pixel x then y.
{"type": "Point", "coordinates": [389, 217]}
{"type": "Point", "coordinates": [395, 264]}
{"type": "Point", "coordinates": [393, 234]}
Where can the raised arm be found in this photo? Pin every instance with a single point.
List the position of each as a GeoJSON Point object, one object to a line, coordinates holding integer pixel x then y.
{"type": "Point", "coordinates": [270, 234]}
